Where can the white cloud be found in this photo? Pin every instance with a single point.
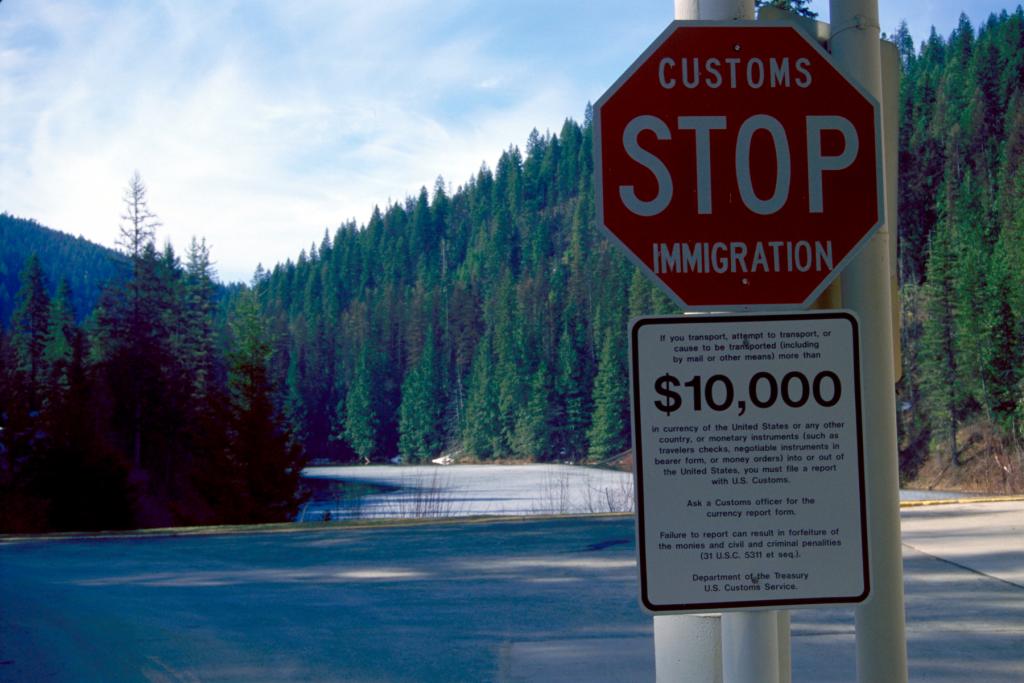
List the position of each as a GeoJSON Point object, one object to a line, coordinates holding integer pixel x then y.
{"type": "Point", "coordinates": [255, 125]}
{"type": "Point", "coordinates": [260, 124]}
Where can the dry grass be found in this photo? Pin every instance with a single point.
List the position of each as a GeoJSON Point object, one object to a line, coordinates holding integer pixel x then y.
{"type": "Point", "coordinates": [556, 496]}
{"type": "Point", "coordinates": [991, 464]}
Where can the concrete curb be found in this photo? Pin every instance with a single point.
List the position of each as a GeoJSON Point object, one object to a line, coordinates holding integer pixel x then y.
{"type": "Point", "coordinates": [960, 501]}
{"type": "Point", "coordinates": [294, 527]}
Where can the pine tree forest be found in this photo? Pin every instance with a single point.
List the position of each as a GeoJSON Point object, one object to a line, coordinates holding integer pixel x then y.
{"type": "Point", "coordinates": [961, 227]}
{"type": "Point", "coordinates": [486, 321]}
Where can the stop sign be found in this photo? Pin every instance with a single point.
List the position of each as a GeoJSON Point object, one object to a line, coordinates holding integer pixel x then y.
{"type": "Point", "coordinates": [737, 165]}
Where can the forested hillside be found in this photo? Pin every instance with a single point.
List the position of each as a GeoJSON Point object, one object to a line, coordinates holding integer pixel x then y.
{"type": "Point", "coordinates": [487, 321]}
{"type": "Point", "coordinates": [86, 266]}
{"type": "Point", "coordinates": [156, 410]}
{"type": "Point", "coordinates": [962, 243]}
{"type": "Point", "coordinates": [491, 321]}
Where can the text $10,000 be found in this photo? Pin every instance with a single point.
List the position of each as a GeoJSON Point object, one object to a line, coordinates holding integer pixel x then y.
{"type": "Point", "coordinates": [764, 390]}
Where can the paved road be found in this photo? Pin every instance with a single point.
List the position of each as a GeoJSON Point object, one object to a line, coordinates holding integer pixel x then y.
{"type": "Point", "coordinates": [519, 600]}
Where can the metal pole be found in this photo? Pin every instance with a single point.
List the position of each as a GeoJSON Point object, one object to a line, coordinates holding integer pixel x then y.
{"type": "Point", "coordinates": [881, 636]}
{"type": "Point", "coordinates": [891, 127]}
{"type": "Point", "coordinates": [755, 646]}
{"type": "Point", "coordinates": [751, 643]}
{"type": "Point", "coordinates": [784, 649]}
{"type": "Point", "coordinates": [716, 10]}
{"type": "Point", "coordinates": [750, 647]}
{"type": "Point", "coordinates": [688, 648]}
{"type": "Point", "coordinates": [687, 9]}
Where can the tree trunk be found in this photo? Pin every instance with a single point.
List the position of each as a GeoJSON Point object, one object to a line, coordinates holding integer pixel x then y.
{"type": "Point", "coordinates": [954, 453]}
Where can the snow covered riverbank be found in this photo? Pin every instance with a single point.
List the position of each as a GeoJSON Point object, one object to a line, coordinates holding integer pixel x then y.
{"type": "Point", "coordinates": [430, 491]}
{"type": "Point", "coordinates": [385, 491]}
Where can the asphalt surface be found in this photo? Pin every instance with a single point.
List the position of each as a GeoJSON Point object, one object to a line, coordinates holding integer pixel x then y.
{"type": "Point", "coordinates": [507, 600]}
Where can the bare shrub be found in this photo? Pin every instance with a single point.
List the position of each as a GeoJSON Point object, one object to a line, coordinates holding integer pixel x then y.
{"type": "Point", "coordinates": [555, 497]}
{"type": "Point", "coordinates": [599, 499]}
{"type": "Point", "coordinates": [416, 501]}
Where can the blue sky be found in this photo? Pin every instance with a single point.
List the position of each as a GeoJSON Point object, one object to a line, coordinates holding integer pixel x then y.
{"type": "Point", "coordinates": [259, 124]}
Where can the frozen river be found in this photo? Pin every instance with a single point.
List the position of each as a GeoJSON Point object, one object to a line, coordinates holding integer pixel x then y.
{"type": "Point", "coordinates": [430, 491]}
{"type": "Point", "coordinates": [382, 491]}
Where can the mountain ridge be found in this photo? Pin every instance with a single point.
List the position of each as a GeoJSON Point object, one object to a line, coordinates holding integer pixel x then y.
{"type": "Point", "coordinates": [87, 266]}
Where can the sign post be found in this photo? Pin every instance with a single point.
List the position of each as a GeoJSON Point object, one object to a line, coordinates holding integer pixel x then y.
{"type": "Point", "coordinates": [744, 174]}
{"type": "Point", "coordinates": [690, 647]}
{"type": "Point", "coordinates": [881, 632]}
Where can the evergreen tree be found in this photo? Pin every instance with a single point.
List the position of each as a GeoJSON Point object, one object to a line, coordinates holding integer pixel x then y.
{"type": "Point", "coordinates": [640, 295]}
{"type": "Point", "coordinates": [362, 421]}
{"type": "Point", "coordinates": [573, 393]}
{"type": "Point", "coordinates": [905, 44]}
{"type": "Point", "coordinates": [533, 434]}
{"type": "Point", "coordinates": [608, 433]}
{"type": "Point", "coordinates": [85, 480]}
{"type": "Point", "coordinates": [63, 332]}
{"type": "Point", "coordinates": [56, 473]}
{"type": "Point", "coordinates": [132, 348]}
{"type": "Point", "coordinates": [23, 436]}
{"type": "Point", "coordinates": [510, 361]}
{"type": "Point", "coordinates": [939, 370]}
{"type": "Point", "coordinates": [32, 328]}
{"type": "Point", "coordinates": [199, 350]}
{"type": "Point", "coordinates": [801, 7]}
{"type": "Point", "coordinates": [480, 433]}
{"type": "Point", "coordinates": [267, 461]}
{"type": "Point", "coordinates": [138, 229]}
{"type": "Point", "coordinates": [421, 417]}
{"type": "Point", "coordinates": [913, 422]}
{"type": "Point", "coordinates": [295, 411]}
{"type": "Point", "coordinates": [1003, 353]}
{"type": "Point", "coordinates": [969, 271]}
{"type": "Point", "coordinates": [134, 337]}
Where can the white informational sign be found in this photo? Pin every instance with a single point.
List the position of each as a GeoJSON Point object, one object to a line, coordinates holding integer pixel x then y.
{"type": "Point", "coordinates": [748, 460]}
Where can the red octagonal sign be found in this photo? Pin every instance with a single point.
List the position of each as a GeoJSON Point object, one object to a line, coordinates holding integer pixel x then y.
{"type": "Point", "coordinates": [737, 165]}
